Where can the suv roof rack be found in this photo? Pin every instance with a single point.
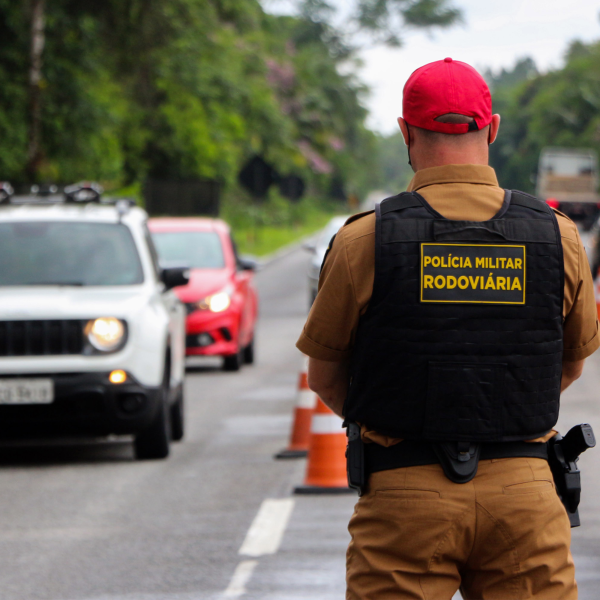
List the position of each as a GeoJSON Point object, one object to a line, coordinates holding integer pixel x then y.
{"type": "Point", "coordinates": [84, 191]}
{"type": "Point", "coordinates": [45, 189]}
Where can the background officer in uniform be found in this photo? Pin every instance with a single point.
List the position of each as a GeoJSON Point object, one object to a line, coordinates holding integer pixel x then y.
{"type": "Point", "coordinates": [504, 534]}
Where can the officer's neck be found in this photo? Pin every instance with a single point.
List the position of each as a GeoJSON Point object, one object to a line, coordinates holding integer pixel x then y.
{"type": "Point", "coordinates": [440, 155]}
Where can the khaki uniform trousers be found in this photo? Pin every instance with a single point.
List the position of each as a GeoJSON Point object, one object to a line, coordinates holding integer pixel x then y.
{"type": "Point", "coordinates": [505, 535]}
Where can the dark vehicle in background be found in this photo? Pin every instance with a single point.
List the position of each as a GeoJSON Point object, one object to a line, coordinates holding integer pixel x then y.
{"type": "Point", "coordinates": [568, 180]}
{"type": "Point", "coordinates": [220, 298]}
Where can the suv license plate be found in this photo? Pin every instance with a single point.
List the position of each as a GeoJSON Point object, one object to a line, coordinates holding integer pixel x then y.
{"type": "Point", "coordinates": [26, 391]}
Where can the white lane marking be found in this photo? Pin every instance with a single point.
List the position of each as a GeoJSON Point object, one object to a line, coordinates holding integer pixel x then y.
{"type": "Point", "coordinates": [268, 527]}
{"type": "Point", "coordinates": [239, 580]}
{"type": "Point", "coordinates": [326, 424]}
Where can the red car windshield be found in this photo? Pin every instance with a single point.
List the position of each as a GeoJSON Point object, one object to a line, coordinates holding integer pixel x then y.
{"type": "Point", "coordinates": [198, 249]}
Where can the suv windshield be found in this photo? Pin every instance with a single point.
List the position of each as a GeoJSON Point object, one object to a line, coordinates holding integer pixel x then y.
{"type": "Point", "coordinates": [198, 249]}
{"type": "Point", "coordinates": [68, 253]}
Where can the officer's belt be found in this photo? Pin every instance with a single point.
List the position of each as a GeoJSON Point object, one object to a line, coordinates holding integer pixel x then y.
{"type": "Point", "coordinates": [411, 453]}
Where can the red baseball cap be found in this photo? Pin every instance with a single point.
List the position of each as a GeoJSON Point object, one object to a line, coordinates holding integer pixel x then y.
{"type": "Point", "coordinates": [442, 87]}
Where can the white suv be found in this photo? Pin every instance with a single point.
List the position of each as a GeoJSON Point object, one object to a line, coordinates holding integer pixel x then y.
{"type": "Point", "coordinates": [92, 339]}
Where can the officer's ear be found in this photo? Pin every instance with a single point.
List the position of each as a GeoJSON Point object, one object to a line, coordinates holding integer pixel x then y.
{"type": "Point", "coordinates": [494, 126]}
{"type": "Point", "coordinates": [404, 130]}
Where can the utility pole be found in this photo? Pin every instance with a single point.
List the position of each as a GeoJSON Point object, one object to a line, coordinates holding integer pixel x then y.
{"type": "Point", "coordinates": [34, 151]}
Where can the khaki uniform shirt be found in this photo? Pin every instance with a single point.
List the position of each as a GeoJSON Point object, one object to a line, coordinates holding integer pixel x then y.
{"type": "Point", "coordinates": [457, 192]}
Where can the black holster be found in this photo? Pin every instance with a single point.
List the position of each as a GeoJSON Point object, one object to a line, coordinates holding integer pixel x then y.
{"type": "Point", "coordinates": [459, 460]}
{"type": "Point", "coordinates": [563, 454]}
{"type": "Point", "coordinates": [355, 458]}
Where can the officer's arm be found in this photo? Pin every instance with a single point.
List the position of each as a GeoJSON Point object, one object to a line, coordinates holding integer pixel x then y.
{"type": "Point", "coordinates": [571, 372]}
{"type": "Point", "coordinates": [329, 380]}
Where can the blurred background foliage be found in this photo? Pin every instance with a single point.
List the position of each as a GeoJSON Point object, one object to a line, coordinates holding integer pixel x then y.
{"type": "Point", "coordinates": [186, 89]}
{"type": "Point", "coordinates": [132, 89]}
{"type": "Point", "coordinates": [558, 108]}
{"type": "Point", "coordinates": [180, 89]}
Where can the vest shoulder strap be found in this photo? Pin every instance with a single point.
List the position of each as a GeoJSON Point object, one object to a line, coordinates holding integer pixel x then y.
{"type": "Point", "coordinates": [410, 200]}
{"type": "Point", "coordinates": [400, 202]}
{"type": "Point", "coordinates": [529, 201]}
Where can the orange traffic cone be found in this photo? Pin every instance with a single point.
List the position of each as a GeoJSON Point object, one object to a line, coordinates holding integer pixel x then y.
{"type": "Point", "coordinates": [326, 468]}
{"type": "Point", "coordinates": [305, 405]}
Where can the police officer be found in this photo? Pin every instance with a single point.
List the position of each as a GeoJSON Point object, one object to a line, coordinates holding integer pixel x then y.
{"type": "Point", "coordinates": [447, 324]}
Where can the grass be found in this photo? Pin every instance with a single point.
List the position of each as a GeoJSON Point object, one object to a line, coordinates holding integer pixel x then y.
{"type": "Point", "coordinates": [264, 228]}
{"type": "Point", "coordinates": [265, 240]}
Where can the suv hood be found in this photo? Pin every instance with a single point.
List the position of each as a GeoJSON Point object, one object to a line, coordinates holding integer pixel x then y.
{"type": "Point", "coordinates": [68, 302]}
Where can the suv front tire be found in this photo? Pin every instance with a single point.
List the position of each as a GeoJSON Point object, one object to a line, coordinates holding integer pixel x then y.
{"type": "Point", "coordinates": [154, 441]}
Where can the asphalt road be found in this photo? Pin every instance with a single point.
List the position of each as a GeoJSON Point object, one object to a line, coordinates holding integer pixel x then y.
{"type": "Point", "coordinates": [85, 521]}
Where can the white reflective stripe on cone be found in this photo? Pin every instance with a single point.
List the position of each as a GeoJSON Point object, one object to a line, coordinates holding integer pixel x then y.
{"type": "Point", "coordinates": [304, 363]}
{"type": "Point", "coordinates": [306, 399]}
{"type": "Point", "coordinates": [326, 424]}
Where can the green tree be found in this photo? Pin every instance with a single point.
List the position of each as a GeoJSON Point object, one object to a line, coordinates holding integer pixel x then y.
{"type": "Point", "coordinates": [394, 172]}
{"type": "Point", "coordinates": [382, 21]}
{"type": "Point", "coordinates": [189, 88]}
{"type": "Point", "coordinates": [559, 108]}
{"type": "Point", "coordinates": [13, 91]}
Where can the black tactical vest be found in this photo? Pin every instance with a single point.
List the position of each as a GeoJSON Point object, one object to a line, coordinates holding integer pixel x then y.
{"type": "Point", "coordinates": [462, 340]}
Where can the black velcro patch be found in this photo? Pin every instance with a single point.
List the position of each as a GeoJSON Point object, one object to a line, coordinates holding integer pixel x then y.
{"type": "Point", "coordinates": [474, 273]}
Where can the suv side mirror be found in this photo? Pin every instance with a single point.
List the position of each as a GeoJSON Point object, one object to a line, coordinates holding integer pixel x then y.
{"type": "Point", "coordinates": [174, 276]}
{"type": "Point", "coordinates": [247, 264]}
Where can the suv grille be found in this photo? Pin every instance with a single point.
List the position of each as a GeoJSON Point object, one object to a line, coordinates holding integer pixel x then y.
{"type": "Point", "coordinates": [41, 338]}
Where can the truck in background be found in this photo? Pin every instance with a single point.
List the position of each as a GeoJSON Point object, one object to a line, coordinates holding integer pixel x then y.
{"type": "Point", "coordinates": [568, 180]}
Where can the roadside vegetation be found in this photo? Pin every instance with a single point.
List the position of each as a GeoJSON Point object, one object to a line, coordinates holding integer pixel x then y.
{"type": "Point", "coordinates": [181, 89]}
{"type": "Point", "coordinates": [261, 230]}
{"type": "Point", "coordinates": [121, 91]}
{"type": "Point", "coordinates": [124, 90]}
{"type": "Point", "coordinates": [558, 108]}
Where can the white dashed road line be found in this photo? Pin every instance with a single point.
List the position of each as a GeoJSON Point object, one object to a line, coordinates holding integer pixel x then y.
{"type": "Point", "coordinates": [241, 576]}
{"type": "Point", "coordinates": [268, 527]}
{"type": "Point", "coordinates": [263, 537]}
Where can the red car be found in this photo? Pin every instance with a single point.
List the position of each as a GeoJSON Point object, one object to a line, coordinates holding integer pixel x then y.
{"type": "Point", "coordinates": [221, 302]}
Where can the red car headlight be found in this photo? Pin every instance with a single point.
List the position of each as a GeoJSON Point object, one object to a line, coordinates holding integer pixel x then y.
{"type": "Point", "coordinates": [216, 303]}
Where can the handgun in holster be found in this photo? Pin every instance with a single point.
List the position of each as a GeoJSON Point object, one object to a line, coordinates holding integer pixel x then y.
{"type": "Point", "coordinates": [563, 454]}
{"type": "Point", "coordinates": [355, 458]}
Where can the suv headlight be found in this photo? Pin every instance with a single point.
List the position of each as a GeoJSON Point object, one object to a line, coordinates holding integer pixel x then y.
{"type": "Point", "coordinates": [106, 334]}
